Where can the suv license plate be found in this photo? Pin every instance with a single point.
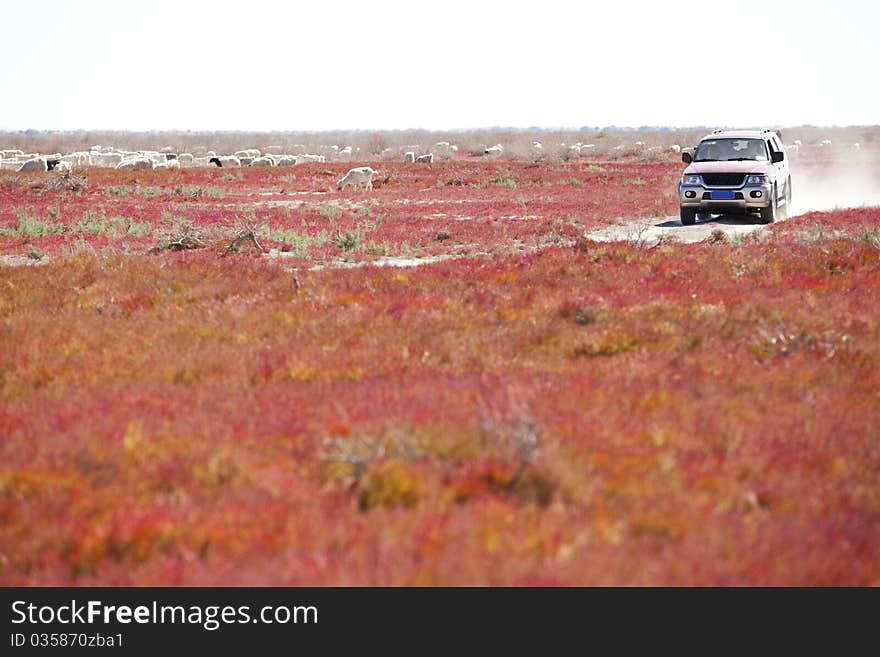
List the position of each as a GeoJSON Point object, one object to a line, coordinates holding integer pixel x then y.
{"type": "Point", "coordinates": [722, 196]}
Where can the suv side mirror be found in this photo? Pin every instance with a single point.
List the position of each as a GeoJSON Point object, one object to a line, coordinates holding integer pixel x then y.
{"type": "Point", "coordinates": [777, 156]}
{"type": "Point", "coordinates": [686, 157]}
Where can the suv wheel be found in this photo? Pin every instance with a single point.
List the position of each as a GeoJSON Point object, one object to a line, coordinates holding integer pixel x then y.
{"type": "Point", "coordinates": [768, 214]}
{"type": "Point", "coordinates": [688, 216]}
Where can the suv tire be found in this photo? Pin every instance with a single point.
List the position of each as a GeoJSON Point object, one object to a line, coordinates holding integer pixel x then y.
{"type": "Point", "coordinates": [688, 216]}
{"type": "Point", "coordinates": [768, 214]}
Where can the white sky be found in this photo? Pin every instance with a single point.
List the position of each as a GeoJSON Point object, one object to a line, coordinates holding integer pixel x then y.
{"type": "Point", "coordinates": [385, 64]}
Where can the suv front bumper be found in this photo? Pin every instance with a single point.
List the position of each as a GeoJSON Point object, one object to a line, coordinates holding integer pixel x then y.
{"type": "Point", "coordinates": [747, 197]}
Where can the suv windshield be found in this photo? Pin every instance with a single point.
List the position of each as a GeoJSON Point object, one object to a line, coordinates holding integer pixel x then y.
{"type": "Point", "coordinates": [721, 150]}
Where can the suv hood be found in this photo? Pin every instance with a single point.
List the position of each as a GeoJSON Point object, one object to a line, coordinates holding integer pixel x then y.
{"type": "Point", "coordinates": [745, 166]}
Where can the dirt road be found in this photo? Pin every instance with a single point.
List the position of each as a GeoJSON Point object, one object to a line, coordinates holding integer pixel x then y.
{"type": "Point", "coordinates": [651, 231]}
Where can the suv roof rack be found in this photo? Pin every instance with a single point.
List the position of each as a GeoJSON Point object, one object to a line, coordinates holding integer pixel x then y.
{"type": "Point", "coordinates": [716, 130]}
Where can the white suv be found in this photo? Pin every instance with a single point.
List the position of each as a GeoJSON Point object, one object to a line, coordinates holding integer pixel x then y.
{"type": "Point", "coordinates": [735, 172]}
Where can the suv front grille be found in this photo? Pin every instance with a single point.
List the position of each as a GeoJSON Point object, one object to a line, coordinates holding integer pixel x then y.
{"type": "Point", "coordinates": [724, 179]}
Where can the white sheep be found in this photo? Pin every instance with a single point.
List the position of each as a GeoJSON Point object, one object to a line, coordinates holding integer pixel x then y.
{"type": "Point", "coordinates": [107, 160]}
{"type": "Point", "coordinates": [306, 158]}
{"type": "Point", "coordinates": [494, 151]}
{"type": "Point", "coordinates": [252, 153]}
{"type": "Point", "coordinates": [285, 160]}
{"type": "Point", "coordinates": [263, 161]}
{"type": "Point", "coordinates": [136, 164]}
{"type": "Point", "coordinates": [356, 177]}
{"type": "Point", "coordinates": [675, 148]}
{"type": "Point", "coordinates": [442, 149]}
{"type": "Point", "coordinates": [345, 154]}
{"type": "Point", "coordinates": [225, 161]}
{"type": "Point", "coordinates": [185, 159]}
{"type": "Point", "coordinates": [61, 165]}
{"type": "Point", "coordinates": [427, 158]}
{"type": "Point", "coordinates": [797, 142]}
{"type": "Point", "coordinates": [409, 156]}
{"type": "Point", "coordinates": [856, 146]}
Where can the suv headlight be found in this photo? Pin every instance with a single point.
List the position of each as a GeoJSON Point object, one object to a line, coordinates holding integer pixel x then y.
{"type": "Point", "coordinates": [757, 179]}
{"type": "Point", "coordinates": [691, 179]}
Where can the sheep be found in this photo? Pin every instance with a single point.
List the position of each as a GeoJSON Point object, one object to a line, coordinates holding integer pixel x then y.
{"type": "Point", "coordinates": [494, 151]}
{"type": "Point", "coordinates": [797, 142]}
{"type": "Point", "coordinates": [675, 148]}
{"type": "Point", "coordinates": [826, 143]}
{"type": "Point", "coordinates": [285, 161]}
{"type": "Point", "coordinates": [201, 161]}
{"type": "Point", "coordinates": [78, 159]}
{"type": "Point", "coordinates": [34, 164]}
{"type": "Point", "coordinates": [304, 159]}
{"type": "Point", "coordinates": [639, 144]}
{"type": "Point", "coordinates": [264, 161]}
{"type": "Point", "coordinates": [357, 176]}
{"type": "Point", "coordinates": [185, 159]}
{"type": "Point", "coordinates": [10, 154]}
{"type": "Point", "coordinates": [345, 154]}
{"type": "Point", "coordinates": [442, 149]}
{"type": "Point", "coordinates": [856, 146]}
{"type": "Point", "coordinates": [536, 146]}
{"type": "Point", "coordinates": [387, 154]}
{"type": "Point", "coordinates": [108, 160]}
{"type": "Point", "coordinates": [61, 165]}
{"type": "Point", "coordinates": [136, 164]}
{"type": "Point", "coordinates": [427, 158]}
{"type": "Point", "coordinates": [249, 152]}
{"type": "Point", "coordinates": [225, 161]}
{"type": "Point", "coordinates": [10, 165]}
{"type": "Point", "coordinates": [172, 164]}
{"type": "Point", "coordinates": [409, 156]}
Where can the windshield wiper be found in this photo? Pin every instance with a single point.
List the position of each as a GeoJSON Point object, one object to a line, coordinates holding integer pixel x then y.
{"type": "Point", "coordinates": [740, 159]}
{"type": "Point", "coordinates": [704, 159]}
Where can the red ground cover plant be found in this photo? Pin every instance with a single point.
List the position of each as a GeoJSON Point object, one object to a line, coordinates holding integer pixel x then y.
{"type": "Point", "coordinates": [589, 414]}
{"type": "Point", "coordinates": [448, 208]}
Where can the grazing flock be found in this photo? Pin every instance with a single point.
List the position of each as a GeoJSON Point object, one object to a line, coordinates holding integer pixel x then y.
{"type": "Point", "coordinates": [166, 158]}
{"type": "Point", "coordinates": [112, 158]}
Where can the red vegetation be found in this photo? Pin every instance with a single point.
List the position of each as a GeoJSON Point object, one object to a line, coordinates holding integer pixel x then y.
{"type": "Point", "coordinates": [585, 414]}
{"type": "Point", "coordinates": [458, 207]}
